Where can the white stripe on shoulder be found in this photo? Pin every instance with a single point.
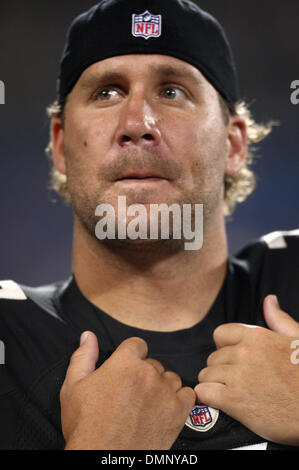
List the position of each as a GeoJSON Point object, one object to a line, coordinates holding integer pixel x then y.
{"type": "Point", "coordinates": [276, 240]}
{"type": "Point", "coordinates": [261, 446]}
{"type": "Point", "coordinates": [11, 290]}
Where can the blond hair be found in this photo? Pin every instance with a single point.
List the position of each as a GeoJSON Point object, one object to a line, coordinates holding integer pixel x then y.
{"type": "Point", "coordinates": [237, 187]}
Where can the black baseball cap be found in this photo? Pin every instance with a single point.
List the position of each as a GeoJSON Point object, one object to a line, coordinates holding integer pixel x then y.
{"type": "Point", "coordinates": [177, 28]}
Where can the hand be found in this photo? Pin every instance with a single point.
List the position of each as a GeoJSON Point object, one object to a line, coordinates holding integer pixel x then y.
{"type": "Point", "coordinates": [251, 376]}
{"type": "Point", "coordinates": [129, 402]}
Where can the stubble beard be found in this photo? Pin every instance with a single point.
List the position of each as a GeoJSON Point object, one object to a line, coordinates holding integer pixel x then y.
{"type": "Point", "coordinates": [84, 204]}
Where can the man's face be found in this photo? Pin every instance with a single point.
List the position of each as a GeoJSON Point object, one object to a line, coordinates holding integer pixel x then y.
{"type": "Point", "coordinates": [148, 127]}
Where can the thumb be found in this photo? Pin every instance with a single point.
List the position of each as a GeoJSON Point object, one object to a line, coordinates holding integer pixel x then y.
{"type": "Point", "coordinates": [278, 320]}
{"type": "Point", "coordinates": [84, 359]}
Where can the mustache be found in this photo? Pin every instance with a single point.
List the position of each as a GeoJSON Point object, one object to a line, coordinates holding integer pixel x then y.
{"type": "Point", "coordinates": [133, 160]}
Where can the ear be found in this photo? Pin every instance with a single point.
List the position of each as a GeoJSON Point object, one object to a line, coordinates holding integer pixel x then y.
{"type": "Point", "coordinates": [237, 145]}
{"type": "Point", "coordinates": [57, 150]}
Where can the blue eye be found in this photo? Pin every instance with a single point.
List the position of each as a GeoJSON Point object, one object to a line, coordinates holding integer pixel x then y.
{"type": "Point", "coordinates": [106, 94]}
{"type": "Point", "coordinates": [172, 92]}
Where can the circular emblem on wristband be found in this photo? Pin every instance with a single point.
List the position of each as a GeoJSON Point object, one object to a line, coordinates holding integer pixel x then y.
{"type": "Point", "coordinates": [202, 418]}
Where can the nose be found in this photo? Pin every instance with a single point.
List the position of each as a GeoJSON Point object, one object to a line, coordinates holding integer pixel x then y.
{"type": "Point", "coordinates": [138, 124]}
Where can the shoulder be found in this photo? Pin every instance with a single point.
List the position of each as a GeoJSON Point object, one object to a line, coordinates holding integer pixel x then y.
{"type": "Point", "coordinates": [276, 247]}
{"type": "Point", "coordinates": [32, 310]}
{"type": "Point", "coordinates": [35, 346]}
{"type": "Point", "coordinates": [20, 299]}
{"type": "Point", "coordinates": [33, 334]}
{"type": "Point", "coordinates": [271, 265]}
{"type": "Point", "coordinates": [282, 240]}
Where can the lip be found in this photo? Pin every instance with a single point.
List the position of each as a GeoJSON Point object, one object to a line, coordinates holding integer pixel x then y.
{"type": "Point", "coordinates": [140, 175]}
{"type": "Point", "coordinates": [141, 180]}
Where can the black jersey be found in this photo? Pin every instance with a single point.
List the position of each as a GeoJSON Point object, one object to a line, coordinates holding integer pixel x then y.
{"type": "Point", "coordinates": [40, 329]}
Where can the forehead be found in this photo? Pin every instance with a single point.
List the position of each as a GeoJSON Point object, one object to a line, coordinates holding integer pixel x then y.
{"type": "Point", "coordinates": [138, 65]}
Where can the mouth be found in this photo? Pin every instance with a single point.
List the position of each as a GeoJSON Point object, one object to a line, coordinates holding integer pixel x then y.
{"type": "Point", "coordinates": [141, 177]}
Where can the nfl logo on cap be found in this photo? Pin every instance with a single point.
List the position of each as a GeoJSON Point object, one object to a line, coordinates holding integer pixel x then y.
{"type": "Point", "coordinates": [146, 25]}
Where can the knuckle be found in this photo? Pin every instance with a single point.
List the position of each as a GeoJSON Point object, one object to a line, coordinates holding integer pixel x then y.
{"type": "Point", "coordinates": [209, 394]}
{"type": "Point", "coordinates": [125, 354]}
{"type": "Point", "coordinates": [136, 344]}
{"type": "Point", "coordinates": [203, 393]}
{"type": "Point", "coordinates": [174, 378]}
{"type": "Point", "coordinates": [125, 357]}
{"type": "Point", "coordinates": [156, 364]}
{"type": "Point", "coordinates": [203, 374]}
{"type": "Point", "coordinates": [212, 358]}
{"type": "Point", "coordinates": [217, 334]}
{"type": "Point", "coordinates": [130, 349]}
{"type": "Point", "coordinates": [172, 375]}
{"type": "Point", "coordinates": [176, 406]}
{"type": "Point", "coordinates": [136, 341]}
{"type": "Point", "coordinates": [150, 373]}
{"type": "Point", "coordinates": [242, 352]}
{"type": "Point", "coordinates": [190, 396]}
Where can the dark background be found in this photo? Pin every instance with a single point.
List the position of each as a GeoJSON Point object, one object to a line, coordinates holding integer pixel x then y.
{"type": "Point", "coordinates": [35, 233]}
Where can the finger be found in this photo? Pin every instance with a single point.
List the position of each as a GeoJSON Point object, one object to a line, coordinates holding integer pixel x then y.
{"type": "Point", "coordinates": [278, 320]}
{"type": "Point", "coordinates": [84, 359]}
{"type": "Point", "coordinates": [229, 334]}
{"type": "Point", "coordinates": [173, 379]}
{"type": "Point", "coordinates": [225, 355]}
{"type": "Point", "coordinates": [216, 374]}
{"type": "Point", "coordinates": [187, 397]}
{"type": "Point", "coordinates": [136, 346]}
{"type": "Point", "coordinates": [156, 364]}
{"type": "Point", "coordinates": [211, 394]}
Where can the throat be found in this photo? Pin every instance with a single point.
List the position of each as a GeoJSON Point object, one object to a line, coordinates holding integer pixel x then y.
{"type": "Point", "coordinates": [157, 308]}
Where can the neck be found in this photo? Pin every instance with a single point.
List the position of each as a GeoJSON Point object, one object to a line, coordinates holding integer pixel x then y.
{"type": "Point", "coordinates": [148, 287]}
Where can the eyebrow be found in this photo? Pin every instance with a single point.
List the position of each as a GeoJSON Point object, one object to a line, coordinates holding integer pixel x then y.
{"type": "Point", "coordinates": [168, 70]}
{"type": "Point", "coordinates": [162, 71]}
{"type": "Point", "coordinates": [106, 77]}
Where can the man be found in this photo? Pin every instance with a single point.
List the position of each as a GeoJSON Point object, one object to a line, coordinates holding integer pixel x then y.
{"type": "Point", "coordinates": [148, 110]}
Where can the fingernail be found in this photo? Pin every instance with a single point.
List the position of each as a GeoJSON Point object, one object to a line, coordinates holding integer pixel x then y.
{"type": "Point", "coordinates": [274, 301]}
{"type": "Point", "coordinates": [83, 337]}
